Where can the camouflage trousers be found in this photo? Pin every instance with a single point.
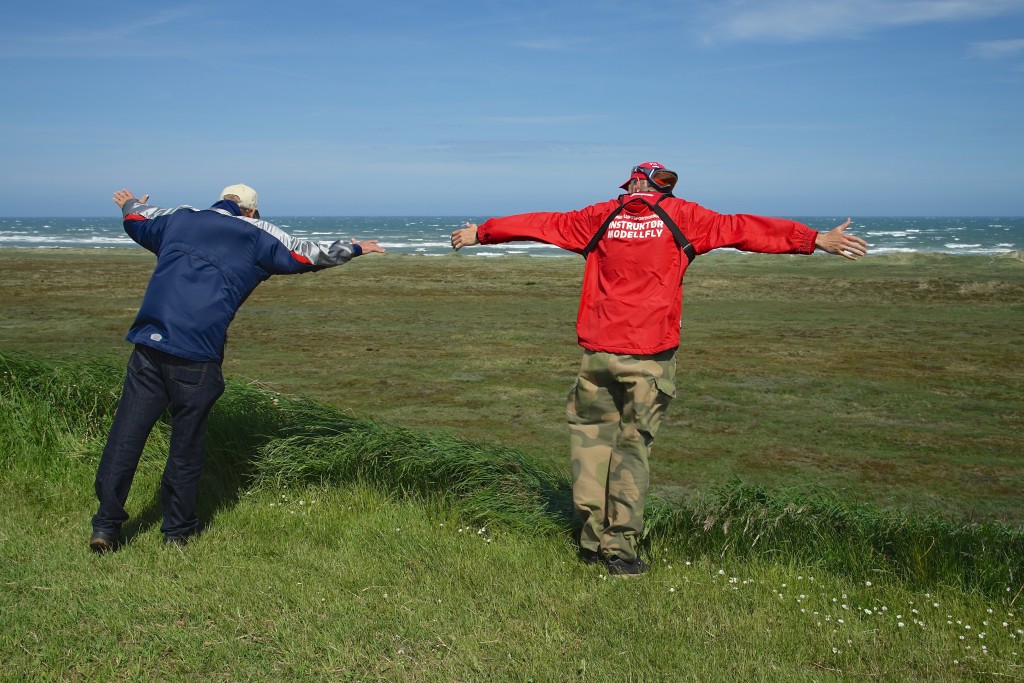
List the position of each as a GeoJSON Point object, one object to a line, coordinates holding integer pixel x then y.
{"type": "Point", "coordinates": [614, 410]}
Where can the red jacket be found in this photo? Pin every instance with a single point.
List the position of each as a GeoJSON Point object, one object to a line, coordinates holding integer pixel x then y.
{"type": "Point", "coordinates": [631, 301]}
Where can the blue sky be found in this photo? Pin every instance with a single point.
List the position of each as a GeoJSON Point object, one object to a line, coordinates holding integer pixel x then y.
{"type": "Point", "coordinates": [778, 107]}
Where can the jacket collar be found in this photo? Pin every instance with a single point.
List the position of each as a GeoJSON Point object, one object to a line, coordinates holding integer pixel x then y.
{"type": "Point", "coordinates": [226, 205]}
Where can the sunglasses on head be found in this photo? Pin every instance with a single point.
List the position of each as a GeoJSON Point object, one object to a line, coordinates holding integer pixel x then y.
{"type": "Point", "coordinates": [662, 178]}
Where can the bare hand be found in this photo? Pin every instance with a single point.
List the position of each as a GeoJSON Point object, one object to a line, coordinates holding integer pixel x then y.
{"type": "Point", "coordinates": [369, 246]}
{"type": "Point", "coordinates": [837, 242]}
{"type": "Point", "coordinates": [121, 198]}
{"type": "Point", "coordinates": [465, 237]}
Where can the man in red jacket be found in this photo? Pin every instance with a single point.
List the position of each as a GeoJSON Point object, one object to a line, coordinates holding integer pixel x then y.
{"type": "Point", "coordinates": [637, 249]}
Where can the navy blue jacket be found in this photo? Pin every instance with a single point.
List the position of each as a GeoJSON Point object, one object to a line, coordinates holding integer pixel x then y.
{"type": "Point", "coordinates": [208, 262]}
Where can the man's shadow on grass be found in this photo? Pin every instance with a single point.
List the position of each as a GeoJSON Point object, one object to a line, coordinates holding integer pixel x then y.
{"type": "Point", "coordinates": [233, 442]}
{"type": "Point", "coordinates": [237, 433]}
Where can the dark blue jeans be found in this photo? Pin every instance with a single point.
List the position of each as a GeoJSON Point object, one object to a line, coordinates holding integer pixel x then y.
{"type": "Point", "coordinates": [155, 381]}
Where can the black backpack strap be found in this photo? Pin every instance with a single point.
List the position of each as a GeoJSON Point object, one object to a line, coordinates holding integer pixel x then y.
{"type": "Point", "coordinates": [592, 244]}
{"type": "Point", "coordinates": [680, 238]}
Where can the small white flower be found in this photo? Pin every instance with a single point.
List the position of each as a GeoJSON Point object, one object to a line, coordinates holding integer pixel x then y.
{"type": "Point", "coordinates": [671, 590]}
{"type": "Point", "coordinates": [867, 583]}
{"type": "Point", "coordinates": [901, 624]}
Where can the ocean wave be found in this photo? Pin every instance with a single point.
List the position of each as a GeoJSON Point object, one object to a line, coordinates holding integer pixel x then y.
{"type": "Point", "coordinates": [429, 235]}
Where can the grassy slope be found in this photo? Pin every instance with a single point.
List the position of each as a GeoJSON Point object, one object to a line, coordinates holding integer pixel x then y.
{"type": "Point", "coordinates": [378, 572]}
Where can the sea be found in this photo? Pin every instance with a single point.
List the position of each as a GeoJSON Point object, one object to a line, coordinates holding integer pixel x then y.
{"type": "Point", "coordinates": [429, 235]}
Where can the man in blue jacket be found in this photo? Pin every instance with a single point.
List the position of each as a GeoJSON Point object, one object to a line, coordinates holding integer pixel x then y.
{"type": "Point", "coordinates": [208, 262]}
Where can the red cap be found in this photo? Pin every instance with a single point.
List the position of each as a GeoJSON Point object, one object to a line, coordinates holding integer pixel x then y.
{"type": "Point", "coordinates": [637, 174]}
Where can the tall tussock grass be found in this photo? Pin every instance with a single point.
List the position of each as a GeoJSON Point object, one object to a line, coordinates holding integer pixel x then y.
{"type": "Point", "coordinates": [809, 525]}
{"type": "Point", "coordinates": [487, 484]}
{"type": "Point", "coordinates": [260, 439]}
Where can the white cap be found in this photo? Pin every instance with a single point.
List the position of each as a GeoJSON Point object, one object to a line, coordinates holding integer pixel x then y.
{"type": "Point", "coordinates": [246, 195]}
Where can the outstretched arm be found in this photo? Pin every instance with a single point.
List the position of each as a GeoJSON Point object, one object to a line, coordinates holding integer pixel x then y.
{"type": "Point", "coordinates": [465, 237]}
{"type": "Point", "coordinates": [837, 242]}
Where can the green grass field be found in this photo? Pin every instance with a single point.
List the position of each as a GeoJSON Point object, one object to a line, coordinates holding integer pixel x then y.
{"type": "Point", "coordinates": [894, 380]}
{"type": "Point", "coordinates": [838, 482]}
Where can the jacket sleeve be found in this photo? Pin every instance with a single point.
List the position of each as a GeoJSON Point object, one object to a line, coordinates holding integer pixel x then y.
{"type": "Point", "coordinates": [571, 230]}
{"type": "Point", "coordinates": [145, 224]}
{"type": "Point", "coordinates": [710, 230]}
{"type": "Point", "coordinates": [284, 254]}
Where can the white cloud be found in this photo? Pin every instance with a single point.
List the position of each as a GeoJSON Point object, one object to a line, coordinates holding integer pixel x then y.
{"type": "Point", "coordinates": [804, 20]}
{"type": "Point", "coordinates": [106, 38]}
{"type": "Point", "coordinates": [998, 49]}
